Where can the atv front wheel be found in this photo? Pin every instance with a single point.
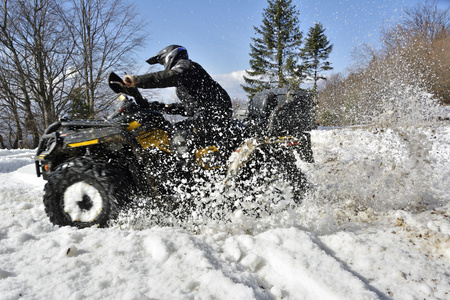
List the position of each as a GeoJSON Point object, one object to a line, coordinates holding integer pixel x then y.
{"type": "Point", "coordinates": [83, 193]}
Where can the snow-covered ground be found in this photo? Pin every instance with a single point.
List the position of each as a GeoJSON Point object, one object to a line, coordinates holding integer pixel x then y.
{"type": "Point", "coordinates": [375, 226]}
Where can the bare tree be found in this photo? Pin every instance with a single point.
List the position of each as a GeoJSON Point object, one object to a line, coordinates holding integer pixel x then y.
{"type": "Point", "coordinates": [49, 51]}
{"type": "Point", "coordinates": [427, 22]}
{"type": "Point", "coordinates": [393, 83]}
{"type": "Point", "coordinates": [105, 32]}
{"type": "Point", "coordinates": [11, 115]}
{"type": "Point", "coordinates": [363, 55]}
{"type": "Point", "coordinates": [330, 98]}
{"type": "Point", "coordinates": [22, 35]}
{"type": "Point", "coordinates": [441, 55]}
{"type": "Point", "coordinates": [423, 39]}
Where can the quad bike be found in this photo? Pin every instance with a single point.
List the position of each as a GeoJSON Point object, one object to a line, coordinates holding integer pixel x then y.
{"type": "Point", "coordinates": [96, 168]}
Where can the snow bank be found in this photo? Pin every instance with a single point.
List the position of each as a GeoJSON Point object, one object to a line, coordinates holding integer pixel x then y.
{"type": "Point", "coordinates": [360, 172]}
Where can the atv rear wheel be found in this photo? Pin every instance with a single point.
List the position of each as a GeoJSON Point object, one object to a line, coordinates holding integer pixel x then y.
{"type": "Point", "coordinates": [83, 193]}
{"type": "Point", "coordinates": [270, 183]}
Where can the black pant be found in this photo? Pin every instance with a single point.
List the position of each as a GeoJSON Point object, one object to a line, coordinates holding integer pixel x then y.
{"type": "Point", "coordinates": [206, 128]}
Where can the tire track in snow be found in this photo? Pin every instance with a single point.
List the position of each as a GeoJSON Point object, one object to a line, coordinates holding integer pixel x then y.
{"type": "Point", "coordinates": [278, 254]}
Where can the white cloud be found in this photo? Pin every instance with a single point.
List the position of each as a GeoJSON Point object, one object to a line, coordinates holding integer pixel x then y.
{"type": "Point", "coordinates": [231, 82]}
{"type": "Point", "coordinates": [166, 95]}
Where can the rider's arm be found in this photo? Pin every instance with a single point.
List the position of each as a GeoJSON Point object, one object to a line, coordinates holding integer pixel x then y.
{"type": "Point", "coordinates": [159, 79]}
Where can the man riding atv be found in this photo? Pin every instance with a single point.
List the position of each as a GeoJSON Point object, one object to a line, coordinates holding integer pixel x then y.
{"type": "Point", "coordinates": [203, 100]}
{"type": "Point", "coordinates": [97, 168]}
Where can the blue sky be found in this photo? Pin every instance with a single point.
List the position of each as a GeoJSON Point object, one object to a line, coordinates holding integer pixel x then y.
{"type": "Point", "coordinates": [217, 34]}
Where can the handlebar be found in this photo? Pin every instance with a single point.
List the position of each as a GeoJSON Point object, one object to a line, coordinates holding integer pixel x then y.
{"type": "Point", "coordinates": [118, 86]}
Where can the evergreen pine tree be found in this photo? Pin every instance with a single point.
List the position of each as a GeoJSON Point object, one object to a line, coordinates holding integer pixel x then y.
{"type": "Point", "coordinates": [275, 49]}
{"type": "Point", "coordinates": [79, 107]}
{"type": "Point", "coordinates": [315, 52]}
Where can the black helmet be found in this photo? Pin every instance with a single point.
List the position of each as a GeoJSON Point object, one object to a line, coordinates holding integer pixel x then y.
{"type": "Point", "coordinates": [168, 56]}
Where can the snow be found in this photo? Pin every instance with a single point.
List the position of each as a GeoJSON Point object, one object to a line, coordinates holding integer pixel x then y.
{"type": "Point", "coordinates": [376, 225]}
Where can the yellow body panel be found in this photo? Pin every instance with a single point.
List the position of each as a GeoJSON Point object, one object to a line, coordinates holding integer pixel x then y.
{"type": "Point", "coordinates": [133, 125]}
{"type": "Point", "coordinates": [86, 143]}
{"type": "Point", "coordinates": [156, 138]}
{"type": "Point", "coordinates": [207, 157]}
